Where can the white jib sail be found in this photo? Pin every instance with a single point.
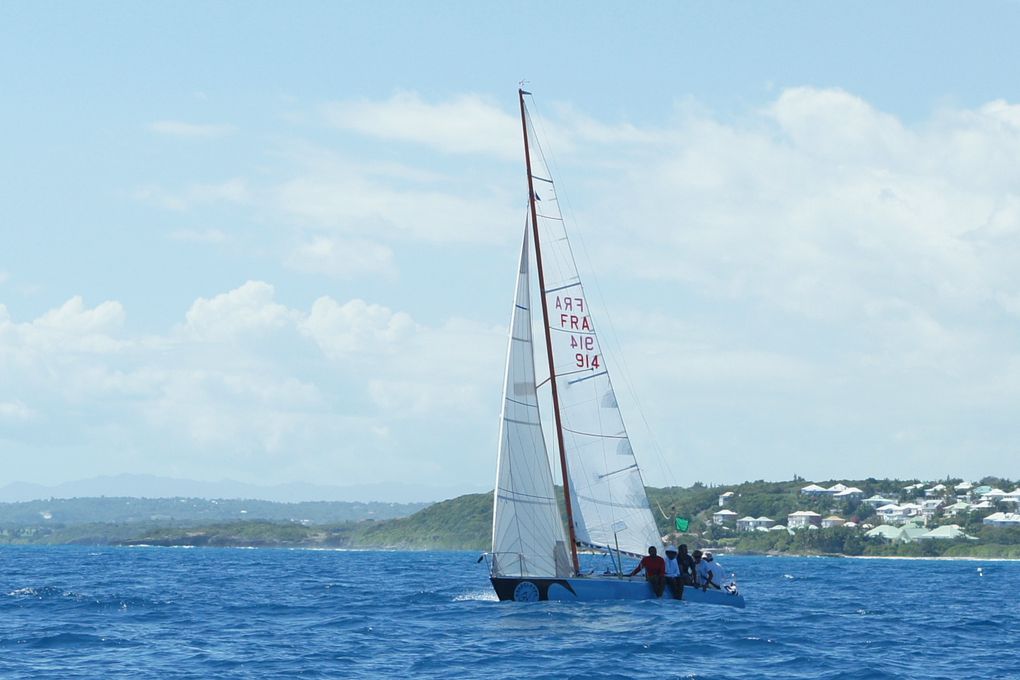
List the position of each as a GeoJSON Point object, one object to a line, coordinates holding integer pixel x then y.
{"type": "Point", "coordinates": [527, 531]}
{"type": "Point", "coordinates": [608, 498]}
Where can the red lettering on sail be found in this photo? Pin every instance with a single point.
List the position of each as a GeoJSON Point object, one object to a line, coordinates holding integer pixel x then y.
{"type": "Point", "coordinates": [585, 342]}
{"type": "Point", "coordinates": [570, 304]}
{"type": "Point", "coordinates": [575, 323]}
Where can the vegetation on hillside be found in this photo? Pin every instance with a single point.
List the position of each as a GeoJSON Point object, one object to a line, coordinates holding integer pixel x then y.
{"type": "Point", "coordinates": [464, 523]}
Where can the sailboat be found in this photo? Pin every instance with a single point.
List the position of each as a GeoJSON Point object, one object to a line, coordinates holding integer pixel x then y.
{"type": "Point", "coordinates": [607, 509]}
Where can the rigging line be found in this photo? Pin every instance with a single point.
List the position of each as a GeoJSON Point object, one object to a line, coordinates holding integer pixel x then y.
{"type": "Point", "coordinates": [592, 434]}
{"type": "Point", "coordinates": [566, 373]}
{"type": "Point", "coordinates": [589, 377]}
{"type": "Point", "coordinates": [616, 472]}
{"type": "Point", "coordinates": [525, 501]}
{"type": "Point", "coordinates": [659, 505]}
{"type": "Point", "coordinates": [558, 288]}
{"type": "Point", "coordinates": [512, 492]}
{"type": "Point", "coordinates": [521, 403]}
{"type": "Point", "coordinates": [572, 332]}
{"type": "Point", "coordinates": [609, 549]}
{"type": "Point", "coordinates": [625, 370]}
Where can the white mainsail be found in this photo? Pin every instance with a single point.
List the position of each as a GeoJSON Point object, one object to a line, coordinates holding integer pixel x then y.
{"type": "Point", "coordinates": [527, 531]}
{"type": "Point", "coordinates": [608, 499]}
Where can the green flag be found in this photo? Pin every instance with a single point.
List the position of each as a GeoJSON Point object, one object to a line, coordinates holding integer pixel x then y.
{"type": "Point", "coordinates": [682, 524]}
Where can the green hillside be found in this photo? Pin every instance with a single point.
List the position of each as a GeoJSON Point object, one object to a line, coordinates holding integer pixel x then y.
{"type": "Point", "coordinates": [464, 523]}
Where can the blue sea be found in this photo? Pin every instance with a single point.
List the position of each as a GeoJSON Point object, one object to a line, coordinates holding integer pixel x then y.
{"type": "Point", "coordinates": [76, 612]}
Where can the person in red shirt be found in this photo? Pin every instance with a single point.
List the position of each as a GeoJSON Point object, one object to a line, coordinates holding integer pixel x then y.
{"type": "Point", "coordinates": [655, 570]}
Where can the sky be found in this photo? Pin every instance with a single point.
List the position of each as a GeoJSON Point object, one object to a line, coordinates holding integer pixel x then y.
{"type": "Point", "coordinates": [276, 242]}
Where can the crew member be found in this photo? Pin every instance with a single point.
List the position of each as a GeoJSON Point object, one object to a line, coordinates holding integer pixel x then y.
{"type": "Point", "coordinates": [655, 570]}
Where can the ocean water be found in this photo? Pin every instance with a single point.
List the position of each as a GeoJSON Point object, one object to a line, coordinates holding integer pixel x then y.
{"type": "Point", "coordinates": [75, 612]}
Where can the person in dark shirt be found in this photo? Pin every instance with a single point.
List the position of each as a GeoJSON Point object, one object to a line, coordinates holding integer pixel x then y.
{"type": "Point", "coordinates": [655, 570]}
{"type": "Point", "coordinates": [686, 562]}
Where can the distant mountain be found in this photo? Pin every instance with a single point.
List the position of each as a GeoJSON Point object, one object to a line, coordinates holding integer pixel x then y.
{"type": "Point", "coordinates": [64, 512]}
{"type": "Point", "coordinates": [152, 486]}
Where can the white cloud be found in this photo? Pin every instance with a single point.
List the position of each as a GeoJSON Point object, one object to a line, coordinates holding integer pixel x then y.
{"type": "Point", "coordinates": [245, 384]}
{"type": "Point", "coordinates": [176, 128]}
{"type": "Point", "coordinates": [839, 207]}
{"type": "Point", "coordinates": [842, 276]}
{"type": "Point", "coordinates": [356, 326]}
{"type": "Point", "coordinates": [344, 198]}
{"type": "Point", "coordinates": [342, 258]}
{"type": "Point", "coordinates": [834, 124]}
{"type": "Point", "coordinates": [470, 124]}
{"type": "Point", "coordinates": [467, 124]}
{"type": "Point", "coordinates": [249, 309]}
{"type": "Point", "coordinates": [450, 371]}
{"type": "Point", "coordinates": [72, 327]}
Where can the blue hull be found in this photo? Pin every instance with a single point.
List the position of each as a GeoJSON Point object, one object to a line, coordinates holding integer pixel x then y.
{"type": "Point", "coordinates": [589, 588]}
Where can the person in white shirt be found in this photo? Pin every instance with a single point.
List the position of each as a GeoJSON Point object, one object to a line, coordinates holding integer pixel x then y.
{"type": "Point", "coordinates": [673, 580]}
{"type": "Point", "coordinates": [713, 573]}
{"type": "Point", "coordinates": [701, 568]}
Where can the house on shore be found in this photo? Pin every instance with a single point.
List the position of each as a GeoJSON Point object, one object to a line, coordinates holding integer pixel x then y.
{"type": "Point", "coordinates": [802, 519]}
{"type": "Point", "coordinates": [1002, 519]}
{"type": "Point", "coordinates": [902, 534]}
{"type": "Point", "coordinates": [755, 523]}
{"type": "Point", "coordinates": [945, 533]}
{"type": "Point", "coordinates": [956, 508]}
{"type": "Point", "coordinates": [724, 518]}
{"type": "Point", "coordinates": [814, 490]}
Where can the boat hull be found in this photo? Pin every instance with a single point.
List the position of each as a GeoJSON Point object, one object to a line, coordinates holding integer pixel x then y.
{"type": "Point", "coordinates": [591, 588]}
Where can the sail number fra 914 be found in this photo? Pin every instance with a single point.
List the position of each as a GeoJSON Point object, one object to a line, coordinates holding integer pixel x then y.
{"type": "Point", "coordinates": [578, 322]}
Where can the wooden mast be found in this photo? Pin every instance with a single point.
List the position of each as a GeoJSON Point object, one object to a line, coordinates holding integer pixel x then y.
{"type": "Point", "coordinates": [548, 339]}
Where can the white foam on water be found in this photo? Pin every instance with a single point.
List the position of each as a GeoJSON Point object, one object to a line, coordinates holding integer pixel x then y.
{"type": "Point", "coordinates": [477, 596]}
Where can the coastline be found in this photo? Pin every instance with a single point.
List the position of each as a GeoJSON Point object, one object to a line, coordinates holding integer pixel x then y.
{"type": "Point", "coordinates": [934, 558]}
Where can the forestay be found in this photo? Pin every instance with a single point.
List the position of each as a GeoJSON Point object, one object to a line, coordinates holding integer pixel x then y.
{"type": "Point", "coordinates": [527, 532]}
{"type": "Point", "coordinates": [610, 507]}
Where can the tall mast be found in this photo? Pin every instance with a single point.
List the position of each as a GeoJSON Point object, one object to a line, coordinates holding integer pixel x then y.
{"type": "Point", "coordinates": [548, 339]}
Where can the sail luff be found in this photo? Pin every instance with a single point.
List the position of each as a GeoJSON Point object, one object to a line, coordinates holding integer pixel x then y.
{"type": "Point", "coordinates": [569, 505]}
